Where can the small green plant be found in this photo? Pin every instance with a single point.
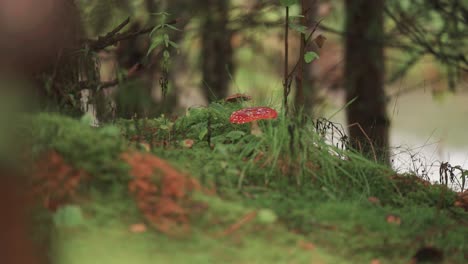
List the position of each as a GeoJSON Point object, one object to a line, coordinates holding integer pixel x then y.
{"type": "Point", "coordinates": [304, 56]}
{"type": "Point", "coordinates": [68, 216]}
{"type": "Point", "coordinates": [448, 174]}
{"type": "Point", "coordinates": [93, 150]}
{"type": "Point", "coordinates": [162, 40]}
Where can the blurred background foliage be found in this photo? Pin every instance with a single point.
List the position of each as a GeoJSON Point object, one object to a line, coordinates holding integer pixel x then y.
{"type": "Point", "coordinates": [415, 30]}
{"type": "Point", "coordinates": [233, 46]}
{"type": "Point", "coordinates": [172, 55]}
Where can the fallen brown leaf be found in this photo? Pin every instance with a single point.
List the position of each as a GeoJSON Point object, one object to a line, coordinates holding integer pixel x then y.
{"type": "Point", "coordinates": [245, 219]}
{"type": "Point", "coordinates": [393, 219]}
{"type": "Point", "coordinates": [188, 143]}
{"type": "Point", "coordinates": [320, 40]}
{"type": "Point", "coordinates": [238, 97]}
{"type": "Point", "coordinates": [306, 245]}
{"type": "Point", "coordinates": [138, 228]}
{"type": "Point", "coordinates": [373, 200]}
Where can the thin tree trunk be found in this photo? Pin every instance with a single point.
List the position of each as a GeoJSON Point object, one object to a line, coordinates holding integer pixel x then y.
{"type": "Point", "coordinates": [364, 73]}
{"type": "Point", "coordinates": [306, 94]}
{"type": "Point", "coordinates": [217, 52]}
{"type": "Point", "coordinates": [299, 97]}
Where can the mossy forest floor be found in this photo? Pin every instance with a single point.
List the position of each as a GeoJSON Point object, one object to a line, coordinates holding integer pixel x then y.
{"type": "Point", "coordinates": [201, 190]}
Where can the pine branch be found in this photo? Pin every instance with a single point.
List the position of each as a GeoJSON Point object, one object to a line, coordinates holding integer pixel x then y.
{"type": "Point", "coordinates": [113, 37]}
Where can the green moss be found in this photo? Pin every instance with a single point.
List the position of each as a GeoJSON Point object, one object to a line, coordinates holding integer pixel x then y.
{"type": "Point", "coordinates": [319, 192]}
{"type": "Point", "coordinates": [94, 150]}
{"type": "Point", "coordinates": [111, 241]}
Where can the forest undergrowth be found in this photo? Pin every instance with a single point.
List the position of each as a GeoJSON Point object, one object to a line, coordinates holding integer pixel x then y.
{"type": "Point", "coordinates": [200, 188]}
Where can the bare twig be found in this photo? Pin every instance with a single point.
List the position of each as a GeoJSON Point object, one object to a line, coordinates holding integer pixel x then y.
{"type": "Point", "coordinates": [245, 219]}
{"type": "Point", "coordinates": [132, 73]}
{"type": "Point", "coordinates": [114, 36]}
{"type": "Point", "coordinates": [118, 28]}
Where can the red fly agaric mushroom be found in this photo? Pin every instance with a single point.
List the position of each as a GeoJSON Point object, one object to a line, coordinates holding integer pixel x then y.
{"type": "Point", "coordinates": [238, 97]}
{"type": "Point", "coordinates": [251, 115]}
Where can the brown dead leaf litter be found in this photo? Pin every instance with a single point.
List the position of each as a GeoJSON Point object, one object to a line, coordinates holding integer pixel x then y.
{"type": "Point", "coordinates": [162, 193]}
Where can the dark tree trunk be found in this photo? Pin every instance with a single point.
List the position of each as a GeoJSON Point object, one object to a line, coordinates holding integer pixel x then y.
{"type": "Point", "coordinates": [52, 61]}
{"type": "Point", "coordinates": [364, 71]}
{"type": "Point", "coordinates": [217, 62]}
{"type": "Point", "coordinates": [306, 92]}
{"type": "Point", "coordinates": [132, 98]}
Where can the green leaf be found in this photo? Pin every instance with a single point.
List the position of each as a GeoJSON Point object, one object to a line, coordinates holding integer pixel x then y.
{"type": "Point", "coordinates": [172, 27]}
{"type": "Point", "coordinates": [288, 2]}
{"type": "Point", "coordinates": [154, 44]}
{"type": "Point", "coordinates": [166, 40]}
{"type": "Point", "coordinates": [235, 135]}
{"type": "Point", "coordinates": [155, 29]}
{"type": "Point", "coordinates": [173, 44]}
{"type": "Point", "coordinates": [68, 216]}
{"type": "Point", "coordinates": [159, 14]}
{"type": "Point", "coordinates": [87, 119]}
{"type": "Point", "coordinates": [299, 28]}
{"type": "Point", "coordinates": [296, 16]}
{"type": "Point", "coordinates": [310, 56]}
{"type": "Point", "coordinates": [166, 55]}
{"type": "Point", "coordinates": [110, 131]}
{"type": "Point", "coordinates": [266, 216]}
{"type": "Point", "coordinates": [202, 133]}
{"type": "Point", "coordinates": [151, 48]}
{"type": "Point", "coordinates": [164, 127]}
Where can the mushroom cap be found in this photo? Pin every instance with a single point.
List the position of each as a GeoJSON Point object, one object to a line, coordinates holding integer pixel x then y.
{"type": "Point", "coordinates": [250, 114]}
{"type": "Point", "coordinates": [238, 97]}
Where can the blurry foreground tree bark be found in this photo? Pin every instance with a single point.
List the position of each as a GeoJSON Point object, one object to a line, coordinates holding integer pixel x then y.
{"type": "Point", "coordinates": [36, 45]}
{"type": "Point", "coordinates": [35, 39]}
{"type": "Point", "coordinates": [16, 243]}
{"type": "Point", "coordinates": [364, 72]}
{"type": "Point", "coordinates": [217, 52]}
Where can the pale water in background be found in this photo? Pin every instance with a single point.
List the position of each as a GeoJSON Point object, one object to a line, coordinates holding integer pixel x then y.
{"type": "Point", "coordinates": [426, 131]}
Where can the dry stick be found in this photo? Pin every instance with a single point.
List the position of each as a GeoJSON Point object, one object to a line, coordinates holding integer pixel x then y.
{"type": "Point", "coordinates": [118, 28]}
{"type": "Point", "coordinates": [114, 37]}
{"type": "Point", "coordinates": [102, 85]}
{"type": "Point", "coordinates": [367, 137]}
{"type": "Point", "coordinates": [245, 219]}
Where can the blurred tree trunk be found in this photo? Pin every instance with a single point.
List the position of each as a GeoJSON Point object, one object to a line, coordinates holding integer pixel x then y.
{"type": "Point", "coordinates": [134, 52]}
{"type": "Point", "coordinates": [306, 90]}
{"type": "Point", "coordinates": [165, 104]}
{"type": "Point", "coordinates": [58, 82]}
{"type": "Point", "coordinates": [17, 245]}
{"type": "Point", "coordinates": [364, 73]}
{"type": "Point", "coordinates": [217, 52]}
{"type": "Point", "coordinates": [182, 10]}
{"type": "Point", "coordinates": [133, 98]}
